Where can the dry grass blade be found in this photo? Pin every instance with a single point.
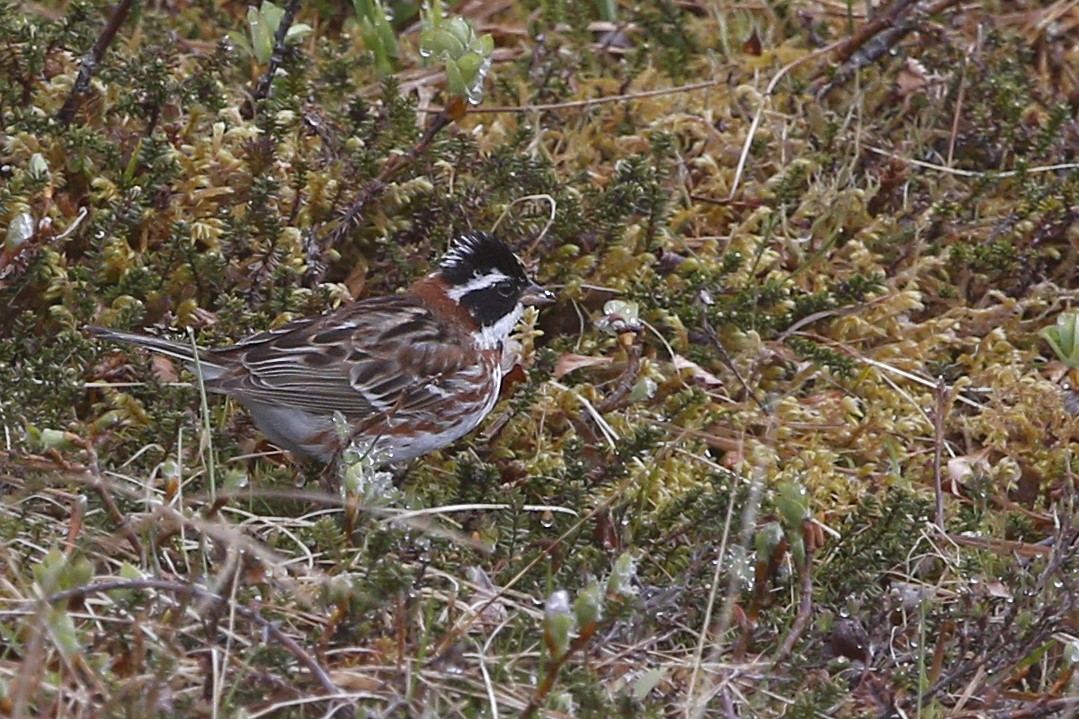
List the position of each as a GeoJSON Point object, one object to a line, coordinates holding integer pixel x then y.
{"type": "Point", "coordinates": [826, 470]}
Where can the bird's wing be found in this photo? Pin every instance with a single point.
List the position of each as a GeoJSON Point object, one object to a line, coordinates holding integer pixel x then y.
{"type": "Point", "coordinates": [374, 357]}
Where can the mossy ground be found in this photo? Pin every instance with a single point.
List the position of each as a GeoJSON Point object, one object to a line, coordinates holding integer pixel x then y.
{"type": "Point", "coordinates": [841, 268]}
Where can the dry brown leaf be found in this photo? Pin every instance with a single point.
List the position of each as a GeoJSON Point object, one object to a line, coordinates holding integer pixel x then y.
{"type": "Point", "coordinates": [164, 369]}
{"type": "Point", "coordinates": [568, 362]}
{"type": "Point", "coordinates": [697, 373]}
{"type": "Point", "coordinates": [354, 681]}
{"type": "Point", "coordinates": [752, 45]}
{"type": "Point", "coordinates": [959, 468]}
{"type": "Point", "coordinates": [913, 78]}
{"type": "Point", "coordinates": [356, 280]}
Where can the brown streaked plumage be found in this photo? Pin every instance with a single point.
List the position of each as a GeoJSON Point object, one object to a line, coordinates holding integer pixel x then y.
{"type": "Point", "coordinates": [410, 372]}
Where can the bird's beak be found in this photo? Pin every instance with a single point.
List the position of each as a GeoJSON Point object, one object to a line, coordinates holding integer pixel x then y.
{"type": "Point", "coordinates": [536, 296]}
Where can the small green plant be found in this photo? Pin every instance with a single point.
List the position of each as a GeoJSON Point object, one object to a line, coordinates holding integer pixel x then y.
{"type": "Point", "coordinates": [59, 572]}
{"type": "Point", "coordinates": [568, 629]}
{"type": "Point", "coordinates": [559, 623]}
{"type": "Point", "coordinates": [466, 56]}
{"type": "Point", "coordinates": [263, 22]}
{"type": "Point", "coordinates": [360, 470]}
{"type": "Point", "coordinates": [378, 35]}
{"type": "Point", "coordinates": [792, 501]}
{"type": "Point", "coordinates": [1063, 337]}
{"type": "Point", "coordinates": [607, 9]}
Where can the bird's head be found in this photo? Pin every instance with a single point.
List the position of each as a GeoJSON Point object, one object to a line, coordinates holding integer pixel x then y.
{"type": "Point", "coordinates": [484, 276]}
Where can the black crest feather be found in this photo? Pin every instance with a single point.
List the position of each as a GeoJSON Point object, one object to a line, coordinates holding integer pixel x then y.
{"type": "Point", "coordinates": [478, 253]}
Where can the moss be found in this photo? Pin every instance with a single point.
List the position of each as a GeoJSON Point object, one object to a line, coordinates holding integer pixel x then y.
{"type": "Point", "coordinates": [800, 291]}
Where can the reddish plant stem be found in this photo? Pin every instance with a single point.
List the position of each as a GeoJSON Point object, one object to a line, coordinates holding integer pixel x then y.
{"type": "Point", "coordinates": [553, 667]}
{"type": "Point", "coordinates": [262, 88]}
{"type": "Point", "coordinates": [91, 60]}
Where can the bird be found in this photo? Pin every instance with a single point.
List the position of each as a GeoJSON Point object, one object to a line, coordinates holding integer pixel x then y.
{"type": "Point", "coordinates": [410, 372]}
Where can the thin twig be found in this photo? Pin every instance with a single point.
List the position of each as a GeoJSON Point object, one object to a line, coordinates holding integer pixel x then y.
{"type": "Point", "coordinates": [553, 667]}
{"type": "Point", "coordinates": [626, 381]}
{"type": "Point", "coordinates": [726, 358]}
{"type": "Point", "coordinates": [706, 622]}
{"type": "Point", "coordinates": [265, 82]}
{"type": "Point", "coordinates": [92, 473]}
{"type": "Point", "coordinates": [884, 19]}
{"type": "Point", "coordinates": [372, 188]}
{"type": "Point", "coordinates": [877, 38]}
{"type": "Point", "coordinates": [743, 157]}
{"type": "Point", "coordinates": [454, 634]}
{"type": "Point", "coordinates": [592, 102]}
{"type": "Point", "coordinates": [805, 607]}
{"type": "Point", "coordinates": [1059, 167]}
{"type": "Point", "coordinates": [943, 402]}
{"type": "Point", "coordinates": [1047, 618]}
{"type": "Point", "coordinates": [958, 114]}
{"type": "Point", "coordinates": [91, 60]}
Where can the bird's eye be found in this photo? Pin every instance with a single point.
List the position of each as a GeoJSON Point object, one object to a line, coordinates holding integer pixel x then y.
{"type": "Point", "coordinates": [505, 289]}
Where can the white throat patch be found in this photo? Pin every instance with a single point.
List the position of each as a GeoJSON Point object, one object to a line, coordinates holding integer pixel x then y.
{"type": "Point", "coordinates": [492, 336]}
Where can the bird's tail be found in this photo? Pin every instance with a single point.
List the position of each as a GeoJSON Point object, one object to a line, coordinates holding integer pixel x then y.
{"type": "Point", "coordinates": [177, 350]}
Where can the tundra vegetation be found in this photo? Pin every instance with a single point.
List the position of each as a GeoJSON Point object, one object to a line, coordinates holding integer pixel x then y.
{"type": "Point", "coordinates": [796, 439]}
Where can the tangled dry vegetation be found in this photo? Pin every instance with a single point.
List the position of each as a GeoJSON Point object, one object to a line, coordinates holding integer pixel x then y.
{"type": "Point", "coordinates": [790, 443]}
